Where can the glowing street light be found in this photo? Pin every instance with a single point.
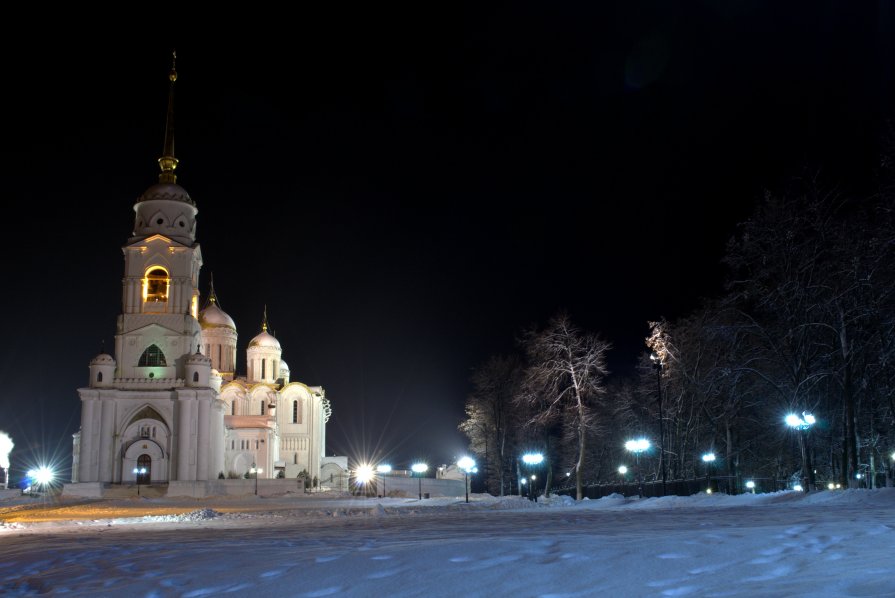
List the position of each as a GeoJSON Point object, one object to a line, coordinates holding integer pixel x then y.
{"type": "Point", "coordinates": [802, 424]}
{"type": "Point", "coordinates": [363, 475]}
{"type": "Point", "coordinates": [622, 469]}
{"type": "Point", "coordinates": [255, 471]}
{"type": "Point", "coordinates": [637, 446]}
{"type": "Point", "coordinates": [41, 477]}
{"type": "Point", "coordinates": [420, 469]}
{"type": "Point", "coordinates": [532, 460]}
{"type": "Point", "coordinates": [751, 486]}
{"type": "Point", "coordinates": [383, 469]}
{"type": "Point", "coordinates": [139, 472]}
{"type": "Point", "coordinates": [708, 459]}
{"type": "Point", "coordinates": [467, 464]}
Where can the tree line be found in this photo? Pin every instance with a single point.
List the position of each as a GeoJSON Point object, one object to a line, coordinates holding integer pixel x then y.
{"type": "Point", "coordinates": [805, 326]}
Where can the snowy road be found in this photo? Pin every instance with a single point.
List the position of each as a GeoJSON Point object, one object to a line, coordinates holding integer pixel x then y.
{"type": "Point", "coordinates": [783, 545]}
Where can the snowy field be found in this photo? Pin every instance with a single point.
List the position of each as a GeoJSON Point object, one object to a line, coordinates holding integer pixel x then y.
{"type": "Point", "coordinates": [838, 543]}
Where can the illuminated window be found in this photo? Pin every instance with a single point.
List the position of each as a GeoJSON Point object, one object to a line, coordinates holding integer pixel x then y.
{"type": "Point", "coordinates": [194, 305]}
{"type": "Point", "coordinates": [152, 357]}
{"type": "Point", "coordinates": [155, 286]}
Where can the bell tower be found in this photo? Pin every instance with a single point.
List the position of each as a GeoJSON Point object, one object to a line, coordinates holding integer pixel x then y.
{"type": "Point", "coordinates": [158, 325]}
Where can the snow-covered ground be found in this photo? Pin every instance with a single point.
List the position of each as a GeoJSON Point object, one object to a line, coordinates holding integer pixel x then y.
{"type": "Point", "coordinates": [838, 543]}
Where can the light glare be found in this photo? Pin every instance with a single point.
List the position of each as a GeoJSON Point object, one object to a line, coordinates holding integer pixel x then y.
{"type": "Point", "coordinates": [532, 458]}
{"type": "Point", "coordinates": [364, 473]}
{"type": "Point", "coordinates": [638, 446]}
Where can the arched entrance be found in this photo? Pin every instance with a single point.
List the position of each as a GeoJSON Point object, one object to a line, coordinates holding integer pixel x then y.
{"type": "Point", "coordinates": [144, 469]}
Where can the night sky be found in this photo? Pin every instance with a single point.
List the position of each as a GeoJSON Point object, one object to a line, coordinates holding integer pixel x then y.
{"type": "Point", "coordinates": [406, 191]}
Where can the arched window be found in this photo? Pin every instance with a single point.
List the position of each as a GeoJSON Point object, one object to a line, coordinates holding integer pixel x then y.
{"type": "Point", "coordinates": [155, 285]}
{"type": "Point", "coordinates": [263, 369]}
{"type": "Point", "coordinates": [294, 412]}
{"type": "Point", "coordinates": [195, 376]}
{"type": "Point", "coordinates": [233, 407]}
{"type": "Point", "coordinates": [152, 357]}
{"type": "Point", "coordinates": [262, 406]}
{"type": "Point", "coordinates": [99, 376]}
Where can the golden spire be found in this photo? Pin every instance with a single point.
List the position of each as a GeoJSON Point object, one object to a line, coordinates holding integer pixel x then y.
{"type": "Point", "coordinates": [264, 323]}
{"type": "Point", "coordinates": [212, 298]}
{"type": "Point", "coordinates": [168, 162]}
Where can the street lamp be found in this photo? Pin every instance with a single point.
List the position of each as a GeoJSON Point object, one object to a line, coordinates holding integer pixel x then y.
{"type": "Point", "coordinates": [383, 469]}
{"type": "Point", "coordinates": [751, 486]}
{"type": "Point", "coordinates": [638, 446]}
{"type": "Point", "coordinates": [466, 464]}
{"type": "Point", "coordinates": [657, 362]}
{"type": "Point", "coordinates": [708, 459]}
{"type": "Point", "coordinates": [138, 473]}
{"type": "Point", "coordinates": [532, 460]}
{"type": "Point", "coordinates": [420, 469]}
{"type": "Point", "coordinates": [256, 471]}
{"type": "Point", "coordinates": [802, 424]}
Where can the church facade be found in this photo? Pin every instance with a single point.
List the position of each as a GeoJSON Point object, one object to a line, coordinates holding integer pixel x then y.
{"type": "Point", "coordinates": [169, 407]}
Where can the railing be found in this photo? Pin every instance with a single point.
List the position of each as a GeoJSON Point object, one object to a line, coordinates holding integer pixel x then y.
{"type": "Point", "coordinates": [653, 488]}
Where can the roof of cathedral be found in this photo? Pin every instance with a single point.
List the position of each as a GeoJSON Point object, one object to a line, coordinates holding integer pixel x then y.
{"type": "Point", "coordinates": [265, 339]}
{"type": "Point", "coordinates": [167, 187]}
{"type": "Point", "coordinates": [283, 366]}
{"type": "Point", "coordinates": [213, 316]}
{"type": "Point", "coordinates": [103, 358]}
{"type": "Point", "coordinates": [167, 192]}
{"type": "Point", "coordinates": [198, 359]}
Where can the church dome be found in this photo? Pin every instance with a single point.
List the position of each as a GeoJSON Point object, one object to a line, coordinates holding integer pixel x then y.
{"type": "Point", "coordinates": [284, 369]}
{"type": "Point", "coordinates": [265, 340]}
{"type": "Point", "coordinates": [215, 317]}
{"type": "Point", "coordinates": [103, 359]}
{"type": "Point", "coordinates": [198, 359]}
{"type": "Point", "coordinates": [166, 192]}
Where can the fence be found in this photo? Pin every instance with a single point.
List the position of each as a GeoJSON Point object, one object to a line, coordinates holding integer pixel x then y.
{"type": "Point", "coordinates": [653, 488]}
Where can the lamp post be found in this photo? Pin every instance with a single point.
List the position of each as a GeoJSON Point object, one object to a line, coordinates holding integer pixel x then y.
{"type": "Point", "coordinates": [532, 460]}
{"type": "Point", "coordinates": [802, 424]}
{"type": "Point", "coordinates": [657, 363]}
{"type": "Point", "coordinates": [383, 469]}
{"type": "Point", "coordinates": [708, 459]}
{"type": "Point", "coordinates": [751, 486]}
{"type": "Point", "coordinates": [467, 464]}
{"type": "Point", "coordinates": [419, 469]}
{"type": "Point", "coordinates": [638, 446]}
{"type": "Point", "coordinates": [138, 473]}
{"type": "Point", "coordinates": [256, 471]}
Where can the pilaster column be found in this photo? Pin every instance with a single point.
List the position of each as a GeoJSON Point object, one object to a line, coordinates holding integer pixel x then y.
{"type": "Point", "coordinates": [88, 434]}
{"type": "Point", "coordinates": [184, 438]}
{"type": "Point", "coordinates": [202, 440]}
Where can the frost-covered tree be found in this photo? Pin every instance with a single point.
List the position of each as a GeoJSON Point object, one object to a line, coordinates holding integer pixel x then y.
{"type": "Point", "coordinates": [566, 374]}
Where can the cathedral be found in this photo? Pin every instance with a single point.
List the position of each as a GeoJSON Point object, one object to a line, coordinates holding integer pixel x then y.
{"type": "Point", "coordinates": [169, 408]}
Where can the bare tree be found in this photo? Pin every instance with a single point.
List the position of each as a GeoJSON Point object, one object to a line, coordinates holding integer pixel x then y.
{"type": "Point", "coordinates": [491, 422]}
{"type": "Point", "coordinates": [566, 369]}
